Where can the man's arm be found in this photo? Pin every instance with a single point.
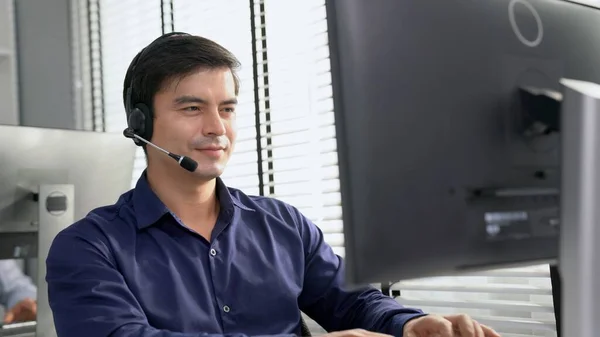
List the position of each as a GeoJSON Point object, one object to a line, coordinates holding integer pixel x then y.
{"type": "Point", "coordinates": [89, 297]}
{"type": "Point", "coordinates": [14, 285]}
{"type": "Point", "coordinates": [326, 299]}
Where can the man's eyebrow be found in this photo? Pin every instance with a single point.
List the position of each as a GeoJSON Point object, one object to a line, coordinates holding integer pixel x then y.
{"type": "Point", "coordinates": [195, 99]}
{"type": "Point", "coordinates": [189, 99]}
{"type": "Point", "coordinates": [231, 101]}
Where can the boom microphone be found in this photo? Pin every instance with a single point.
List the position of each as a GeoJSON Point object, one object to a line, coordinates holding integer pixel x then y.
{"type": "Point", "coordinates": [185, 162]}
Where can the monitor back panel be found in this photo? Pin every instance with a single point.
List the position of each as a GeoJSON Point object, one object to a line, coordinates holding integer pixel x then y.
{"type": "Point", "coordinates": [429, 121]}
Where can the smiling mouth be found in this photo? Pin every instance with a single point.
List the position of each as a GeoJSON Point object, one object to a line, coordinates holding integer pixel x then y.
{"type": "Point", "coordinates": [213, 152]}
{"type": "Point", "coordinates": [212, 149]}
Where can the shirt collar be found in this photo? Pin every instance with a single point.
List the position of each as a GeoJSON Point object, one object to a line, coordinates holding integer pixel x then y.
{"type": "Point", "coordinates": [149, 208]}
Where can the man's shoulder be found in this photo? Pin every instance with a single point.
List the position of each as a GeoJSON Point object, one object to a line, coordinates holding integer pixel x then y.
{"type": "Point", "coordinates": [263, 204]}
{"type": "Point", "coordinates": [275, 210]}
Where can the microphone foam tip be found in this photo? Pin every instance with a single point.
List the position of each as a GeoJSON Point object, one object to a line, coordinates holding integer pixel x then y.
{"type": "Point", "coordinates": [188, 164]}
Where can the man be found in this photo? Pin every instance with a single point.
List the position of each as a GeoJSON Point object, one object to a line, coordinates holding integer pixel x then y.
{"type": "Point", "coordinates": [182, 255]}
{"type": "Point", "coordinates": [17, 293]}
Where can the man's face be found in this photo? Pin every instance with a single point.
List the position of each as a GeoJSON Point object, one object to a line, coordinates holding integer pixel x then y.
{"type": "Point", "coordinates": [195, 116]}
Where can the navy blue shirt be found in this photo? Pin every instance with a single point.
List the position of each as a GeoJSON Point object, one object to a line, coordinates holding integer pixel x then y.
{"type": "Point", "coordinates": [134, 269]}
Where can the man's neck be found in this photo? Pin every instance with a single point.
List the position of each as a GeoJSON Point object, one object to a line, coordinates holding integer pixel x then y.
{"type": "Point", "coordinates": [194, 201]}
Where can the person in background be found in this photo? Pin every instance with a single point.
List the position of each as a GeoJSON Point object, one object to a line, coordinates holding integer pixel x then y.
{"type": "Point", "coordinates": [184, 255]}
{"type": "Point", "coordinates": [17, 293]}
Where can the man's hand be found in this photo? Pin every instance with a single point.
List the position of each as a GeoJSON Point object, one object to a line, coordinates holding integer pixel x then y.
{"type": "Point", "coordinates": [24, 311]}
{"type": "Point", "coordinates": [355, 333]}
{"type": "Point", "coordinates": [447, 326]}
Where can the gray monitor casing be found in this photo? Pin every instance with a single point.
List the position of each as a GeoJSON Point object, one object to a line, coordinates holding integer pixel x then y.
{"type": "Point", "coordinates": [50, 178]}
{"type": "Point", "coordinates": [98, 165]}
{"type": "Point", "coordinates": [429, 130]}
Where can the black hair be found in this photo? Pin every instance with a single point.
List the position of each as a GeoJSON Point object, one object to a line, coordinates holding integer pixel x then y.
{"type": "Point", "coordinates": [172, 57]}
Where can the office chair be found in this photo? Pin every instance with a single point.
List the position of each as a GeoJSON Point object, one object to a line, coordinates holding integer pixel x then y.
{"type": "Point", "coordinates": [304, 330]}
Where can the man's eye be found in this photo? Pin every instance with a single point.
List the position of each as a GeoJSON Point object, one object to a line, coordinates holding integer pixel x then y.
{"type": "Point", "coordinates": [229, 110]}
{"type": "Point", "coordinates": [191, 108]}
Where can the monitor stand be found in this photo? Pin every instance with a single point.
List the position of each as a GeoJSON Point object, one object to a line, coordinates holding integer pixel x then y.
{"type": "Point", "coordinates": [579, 254]}
{"type": "Point", "coordinates": [56, 212]}
{"type": "Point", "coordinates": [56, 209]}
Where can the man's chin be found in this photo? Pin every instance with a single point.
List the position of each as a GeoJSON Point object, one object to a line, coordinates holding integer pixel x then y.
{"type": "Point", "coordinates": [208, 172]}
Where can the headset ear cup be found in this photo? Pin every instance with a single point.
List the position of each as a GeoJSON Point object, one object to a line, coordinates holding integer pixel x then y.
{"type": "Point", "coordinates": [137, 124]}
{"type": "Point", "coordinates": [148, 120]}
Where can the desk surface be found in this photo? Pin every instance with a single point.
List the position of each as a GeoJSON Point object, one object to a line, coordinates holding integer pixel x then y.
{"type": "Point", "coordinates": [26, 329]}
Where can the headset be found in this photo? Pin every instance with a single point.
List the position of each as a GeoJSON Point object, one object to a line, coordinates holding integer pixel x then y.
{"type": "Point", "coordinates": [140, 117]}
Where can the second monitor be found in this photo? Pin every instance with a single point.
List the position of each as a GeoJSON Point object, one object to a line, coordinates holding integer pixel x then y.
{"type": "Point", "coordinates": [448, 135]}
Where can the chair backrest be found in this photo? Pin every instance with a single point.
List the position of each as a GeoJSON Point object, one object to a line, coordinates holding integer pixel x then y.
{"type": "Point", "coordinates": [304, 329]}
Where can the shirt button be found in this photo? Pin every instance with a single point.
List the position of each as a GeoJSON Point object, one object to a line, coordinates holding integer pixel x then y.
{"type": "Point", "coordinates": [213, 252]}
{"type": "Point", "coordinates": [226, 309]}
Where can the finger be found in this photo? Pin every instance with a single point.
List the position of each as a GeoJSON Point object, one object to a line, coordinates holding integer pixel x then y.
{"type": "Point", "coordinates": [29, 308]}
{"type": "Point", "coordinates": [478, 329]}
{"type": "Point", "coordinates": [355, 333]}
{"type": "Point", "coordinates": [366, 333]}
{"type": "Point", "coordinates": [489, 332]}
{"type": "Point", "coordinates": [25, 311]}
{"type": "Point", "coordinates": [9, 317]}
{"type": "Point", "coordinates": [464, 325]}
{"type": "Point", "coordinates": [358, 333]}
{"type": "Point", "coordinates": [21, 314]}
{"type": "Point", "coordinates": [27, 316]}
{"type": "Point", "coordinates": [442, 326]}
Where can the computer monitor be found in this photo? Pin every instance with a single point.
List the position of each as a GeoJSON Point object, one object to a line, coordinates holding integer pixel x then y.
{"type": "Point", "coordinates": [99, 165]}
{"type": "Point", "coordinates": [445, 165]}
{"type": "Point", "coordinates": [50, 178]}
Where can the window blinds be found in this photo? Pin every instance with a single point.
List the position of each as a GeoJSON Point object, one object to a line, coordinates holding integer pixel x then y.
{"type": "Point", "coordinates": [80, 58]}
{"type": "Point", "coordinates": [88, 46]}
{"type": "Point", "coordinates": [517, 302]}
{"type": "Point", "coordinates": [127, 27]}
{"type": "Point", "coordinates": [297, 130]}
{"type": "Point", "coordinates": [296, 112]}
{"type": "Point", "coordinates": [286, 144]}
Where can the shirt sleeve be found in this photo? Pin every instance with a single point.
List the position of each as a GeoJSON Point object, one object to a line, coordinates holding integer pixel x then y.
{"type": "Point", "coordinates": [89, 297]}
{"type": "Point", "coordinates": [327, 300]}
{"type": "Point", "coordinates": [14, 285]}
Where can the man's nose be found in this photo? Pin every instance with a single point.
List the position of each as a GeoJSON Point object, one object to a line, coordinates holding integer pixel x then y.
{"type": "Point", "coordinates": [213, 124]}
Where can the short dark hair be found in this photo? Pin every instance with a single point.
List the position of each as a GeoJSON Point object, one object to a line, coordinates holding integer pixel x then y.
{"type": "Point", "coordinates": [172, 57]}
